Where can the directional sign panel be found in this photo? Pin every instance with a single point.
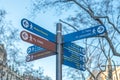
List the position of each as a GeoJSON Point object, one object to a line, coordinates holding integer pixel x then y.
{"type": "Point", "coordinates": [68, 62]}
{"type": "Point", "coordinates": [34, 49]}
{"type": "Point", "coordinates": [86, 33]}
{"type": "Point", "coordinates": [73, 48]}
{"type": "Point", "coordinates": [28, 37]}
{"type": "Point", "coordinates": [30, 26]}
{"type": "Point", "coordinates": [38, 55]}
{"type": "Point", "coordinates": [75, 57]}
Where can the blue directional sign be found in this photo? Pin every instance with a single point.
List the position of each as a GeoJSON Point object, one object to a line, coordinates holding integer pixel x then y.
{"type": "Point", "coordinates": [73, 48]}
{"type": "Point", "coordinates": [86, 33]}
{"type": "Point", "coordinates": [75, 57]}
{"type": "Point", "coordinates": [34, 49]}
{"type": "Point", "coordinates": [67, 61]}
{"type": "Point", "coordinates": [30, 26]}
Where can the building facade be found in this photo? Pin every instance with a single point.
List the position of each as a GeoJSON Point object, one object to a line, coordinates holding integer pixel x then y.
{"type": "Point", "coordinates": [7, 72]}
{"type": "Point", "coordinates": [104, 75]}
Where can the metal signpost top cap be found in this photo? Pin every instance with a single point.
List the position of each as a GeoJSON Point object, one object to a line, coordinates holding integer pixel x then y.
{"type": "Point", "coordinates": [59, 28]}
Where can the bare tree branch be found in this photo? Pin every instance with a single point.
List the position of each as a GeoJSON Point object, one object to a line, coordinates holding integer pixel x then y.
{"type": "Point", "coordinates": [90, 73]}
{"type": "Point", "coordinates": [97, 18]}
{"type": "Point", "coordinates": [115, 70]}
{"type": "Point", "coordinates": [68, 24]}
{"type": "Point", "coordinates": [90, 12]}
{"type": "Point", "coordinates": [112, 46]}
{"type": "Point", "coordinates": [106, 17]}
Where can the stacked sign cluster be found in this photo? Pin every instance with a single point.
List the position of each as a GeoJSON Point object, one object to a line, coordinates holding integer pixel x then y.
{"type": "Point", "coordinates": [44, 43]}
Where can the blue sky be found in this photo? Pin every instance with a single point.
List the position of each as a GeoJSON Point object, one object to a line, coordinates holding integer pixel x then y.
{"type": "Point", "coordinates": [18, 9]}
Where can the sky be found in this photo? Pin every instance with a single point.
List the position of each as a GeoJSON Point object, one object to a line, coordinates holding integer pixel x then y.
{"type": "Point", "coordinates": [19, 9]}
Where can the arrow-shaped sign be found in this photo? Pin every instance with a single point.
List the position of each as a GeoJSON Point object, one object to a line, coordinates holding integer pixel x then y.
{"type": "Point", "coordinates": [75, 57]}
{"type": "Point", "coordinates": [75, 65]}
{"type": "Point", "coordinates": [30, 26]}
{"type": "Point", "coordinates": [86, 33]}
{"type": "Point", "coordinates": [73, 48]}
{"type": "Point", "coordinates": [38, 55]}
{"type": "Point", "coordinates": [34, 49]}
{"type": "Point", "coordinates": [28, 37]}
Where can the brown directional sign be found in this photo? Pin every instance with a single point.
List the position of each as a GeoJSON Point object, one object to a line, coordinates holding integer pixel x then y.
{"type": "Point", "coordinates": [31, 38]}
{"type": "Point", "coordinates": [38, 55]}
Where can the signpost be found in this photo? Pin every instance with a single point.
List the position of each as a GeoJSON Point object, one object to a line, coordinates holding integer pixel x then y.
{"type": "Point", "coordinates": [28, 37]}
{"type": "Point", "coordinates": [59, 51]}
{"type": "Point", "coordinates": [86, 33]}
{"type": "Point", "coordinates": [34, 49]}
{"type": "Point", "coordinates": [30, 26]}
{"type": "Point", "coordinates": [38, 55]}
{"type": "Point", "coordinates": [73, 55]}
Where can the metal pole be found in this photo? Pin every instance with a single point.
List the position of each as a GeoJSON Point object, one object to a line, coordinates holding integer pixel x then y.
{"type": "Point", "coordinates": [59, 51]}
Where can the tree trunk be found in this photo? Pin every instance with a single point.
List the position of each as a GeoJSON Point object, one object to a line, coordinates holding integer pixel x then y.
{"type": "Point", "coordinates": [109, 69]}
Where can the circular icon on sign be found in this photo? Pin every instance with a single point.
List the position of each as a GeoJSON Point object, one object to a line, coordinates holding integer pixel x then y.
{"type": "Point", "coordinates": [100, 29]}
{"type": "Point", "coordinates": [25, 23]}
{"type": "Point", "coordinates": [25, 35]}
{"type": "Point", "coordinates": [28, 58]}
{"type": "Point", "coordinates": [31, 57]}
{"type": "Point", "coordinates": [29, 50]}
